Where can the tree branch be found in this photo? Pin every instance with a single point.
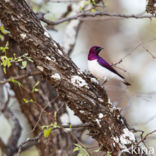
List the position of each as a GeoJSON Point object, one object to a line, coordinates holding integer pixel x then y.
{"type": "Point", "coordinates": [84, 15]}
{"type": "Point", "coordinates": [20, 77]}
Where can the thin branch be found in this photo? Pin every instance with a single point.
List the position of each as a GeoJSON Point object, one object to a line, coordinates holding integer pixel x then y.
{"type": "Point", "coordinates": [145, 137]}
{"type": "Point", "coordinates": [79, 142]}
{"type": "Point", "coordinates": [90, 14]}
{"type": "Point", "coordinates": [29, 142]}
{"type": "Point", "coordinates": [21, 77]}
{"type": "Point", "coordinates": [77, 126]}
{"type": "Point", "coordinates": [154, 57]}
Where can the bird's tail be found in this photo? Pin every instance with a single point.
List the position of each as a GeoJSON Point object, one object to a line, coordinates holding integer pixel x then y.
{"type": "Point", "coordinates": [126, 83]}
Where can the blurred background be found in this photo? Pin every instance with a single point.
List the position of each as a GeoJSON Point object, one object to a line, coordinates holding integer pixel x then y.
{"type": "Point", "coordinates": [130, 40]}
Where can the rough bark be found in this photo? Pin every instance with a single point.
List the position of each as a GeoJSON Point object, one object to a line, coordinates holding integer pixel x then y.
{"type": "Point", "coordinates": [86, 98]}
{"type": "Point", "coordinates": [36, 112]}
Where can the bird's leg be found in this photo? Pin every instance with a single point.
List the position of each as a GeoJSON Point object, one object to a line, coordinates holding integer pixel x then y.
{"type": "Point", "coordinates": [104, 81]}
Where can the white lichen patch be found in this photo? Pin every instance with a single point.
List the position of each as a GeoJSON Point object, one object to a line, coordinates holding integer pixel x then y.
{"type": "Point", "coordinates": [78, 81]}
{"type": "Point", "coordinates": [109, 101]}
{"type": "Point", "coordinates": [100, 115]}
{"type": "Point", "coordinates": [98, 122]}
{"type": "Point", "coordinates": [100, 99]}
{"type": "Point", "coordinates": [60, 52]}
{"type": "Point", "coordinates": [113, 108]}
{"type": "Point", "coordinates": [27, 139]}
{"type": "Point", "coordinates": [56, 76]}
{"type": "Point", "coordinates": [93, 80]}
{"type": "Point", "coordinates": [53, 59]}
{"type": "Point", "coordinates": [80, 72]}
{"type": "Point", "coordinates": [127, 137]}
{"type": "Point", "coordinates": [23, 36]}
{"type": "Point", "coordinates": [116, 139]}
{"type": "Point", "coordinates": [46, 34]}
{"type": "Point", "coordinates": [40, 68]}
{"type": "Point", "coordinates": [48, 58]}
{"type": "Point", "coordinates": [55, 45]}
{"type": "Point", "coordinates": [82, 112]}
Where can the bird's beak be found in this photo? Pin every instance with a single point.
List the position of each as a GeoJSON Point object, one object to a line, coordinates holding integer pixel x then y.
{"type": "Point", "coordinates": [100, 48]}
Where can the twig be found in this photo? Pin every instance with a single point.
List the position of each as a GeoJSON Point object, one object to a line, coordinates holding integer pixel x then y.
{"type": "Point", "coordinates": [21, 77]}
{"type": "Point", "coordinates": [154, 57]}
{"type": "Point", "coordinates": [76, 126]}
{"type": "Point", "coordinates": [90, 14]}
{"type": "Point", "coordinates": [29, 143]}
{"type": "Point", "coordinates": [145, 137]}
{"type": "Point", "coordinates": [39, 118]}
{"type": "Point", "coordinates": [79, 142]}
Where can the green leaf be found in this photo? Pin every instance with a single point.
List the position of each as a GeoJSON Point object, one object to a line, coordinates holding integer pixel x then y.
{"type": "Point", "coordinates": [47, 132]}
{"type": "Point", "coordinates": [3, 49]}
{"type": "Point", "coordinates": [45, 126]}
{"type": "Point", "coordinates": [75, 149]}
{"type": "Point", "coordinates": [3, 30]}
{"type": "Point", "coordinates": [82, 151]}
{"type": "Point", "coordinates": [15, 81]}
{"type": "Point", "coordinates": [34, 87]}
{"type": "Point", "coordinates": [109, 153]}
{"type": "Point", "coordinates": [28, 101]}
{"type": "Point", "coordinates": [92, 10]}
{"type": "Point", "coordinates": [24, 64]}
{"type": "Point", "coordinates": [29, 59]}
{"type": "Point", "coordinates": [93, 2]}
{"type": "Point", "coordinates": [5, 61]}
{"type": "Point", "coordinates": [1, 37]}
{"type": "Point", "coordinates": [55, 125]}
{"type": "Point", "coordinates": [80, 8]}
{"type": "Point", "coordinates": [4, 70]}
{"type": "Point", "coordinates": [18, 59]}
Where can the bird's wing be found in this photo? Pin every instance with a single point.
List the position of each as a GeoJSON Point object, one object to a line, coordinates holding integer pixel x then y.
{"type": "Point", "coordinates": [103, 63]}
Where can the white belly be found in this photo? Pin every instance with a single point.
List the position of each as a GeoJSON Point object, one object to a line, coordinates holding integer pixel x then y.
{"type": "Point", "coordinates": [100, 72]}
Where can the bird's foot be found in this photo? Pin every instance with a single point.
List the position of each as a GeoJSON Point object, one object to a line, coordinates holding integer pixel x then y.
{"type": "Point", "coordinates": [104, 81]}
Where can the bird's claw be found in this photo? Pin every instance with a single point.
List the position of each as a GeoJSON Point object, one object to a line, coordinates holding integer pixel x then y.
{"type": "Point", "coordinates": [104, 81]}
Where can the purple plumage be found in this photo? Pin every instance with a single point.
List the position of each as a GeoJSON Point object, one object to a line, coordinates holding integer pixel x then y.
{"type": "Point", "coordinates": [101, 68]}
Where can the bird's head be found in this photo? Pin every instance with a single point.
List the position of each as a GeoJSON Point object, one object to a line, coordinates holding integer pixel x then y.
{"type": "Point", "coordinates": [93, 52]}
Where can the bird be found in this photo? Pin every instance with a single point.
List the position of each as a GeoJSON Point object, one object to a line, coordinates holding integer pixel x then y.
{"type": "Point", "coordinates": [100, 68]}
